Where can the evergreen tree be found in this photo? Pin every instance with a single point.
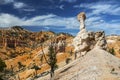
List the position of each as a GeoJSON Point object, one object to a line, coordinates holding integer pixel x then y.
{"type": "Point", "coordinates": [2, 65]}
{"type": "Point", "coordinates": [112, 51]}
{"type": "Point", "coordinates": [36, 69]}
{"type": "Point", "coordinates": [52, 60]}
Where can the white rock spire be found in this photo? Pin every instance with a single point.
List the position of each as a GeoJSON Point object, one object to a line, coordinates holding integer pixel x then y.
{"type": "Point", "coordinates": [81, 18]}
{"type": "Point", "coordinates": [85, 41]}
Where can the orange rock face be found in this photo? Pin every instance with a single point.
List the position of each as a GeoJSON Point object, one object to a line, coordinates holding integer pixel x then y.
{"type": "Point", "coordinates": [24, 47]}
{"type": "Point", "coordinates": [114, 43]}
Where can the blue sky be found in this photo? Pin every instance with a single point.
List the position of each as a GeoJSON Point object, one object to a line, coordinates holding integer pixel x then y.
{"type": "Point", "coordinates": [60, 15]}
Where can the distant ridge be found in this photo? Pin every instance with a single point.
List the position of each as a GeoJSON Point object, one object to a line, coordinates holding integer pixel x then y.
{"type": "Point", "coordinates": [13, 27]}
{"type": "Point", "coordinates": [17, 27]}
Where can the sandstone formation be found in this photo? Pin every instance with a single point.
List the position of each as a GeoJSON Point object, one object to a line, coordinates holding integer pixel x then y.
{"type": "Point", "coordinates": [85, 41]}
{"type": "Point", "coordinates": [81, 18]}
{"type": "Point", "coordinates": [113, 43]}
{"type": "Point", "coordinates": [97, 64]}
{"type": "Point", "coordinates": [61, 46]}
{"type": "Point", "coordinates": [25, 46]}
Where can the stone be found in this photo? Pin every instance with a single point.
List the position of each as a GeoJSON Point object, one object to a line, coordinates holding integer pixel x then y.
{"type": "Point", "coordinates": [85, 41]}
{"type": "Point", "coordinates": [61, 46]}
{"type": "Point", "coordinates": [81, 18]}
{"type": "Point", "coordinates": [97, 64]}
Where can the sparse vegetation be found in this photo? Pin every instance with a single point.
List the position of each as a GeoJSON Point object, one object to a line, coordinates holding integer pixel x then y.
{"type": "Point", "coordinates": [2, 65]}
{"type": "Point", "coordinates": [29, 42]}
{"type": "Point", "coordinates": [52, 59]}
{"type": "Point", "coordinates": [1, 77]}
{"type": "Point", "coordinates": [20, 65]}
{"type": "Point", "coordinates": [112, 51]}
{"type": "Point", "coordinates": [17, 27]}
{"type": "Point", "coordinates": [36, 69]}
{"type": "Point", "coordinates": [68, 60]}
{"type": "Point", "coordinates": [71, 52]}
{"type": "Point", "coordinates": [64, 34]}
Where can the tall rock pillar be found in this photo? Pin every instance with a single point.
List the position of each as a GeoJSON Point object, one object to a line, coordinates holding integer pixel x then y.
{"type": "Point", "coordinates": [81, 18]}
{"type": "Point", "coordinates": [85, 41]}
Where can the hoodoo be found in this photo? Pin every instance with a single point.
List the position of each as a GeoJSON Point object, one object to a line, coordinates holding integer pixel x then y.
{"type": "Point", "coordinates": [85, 40]}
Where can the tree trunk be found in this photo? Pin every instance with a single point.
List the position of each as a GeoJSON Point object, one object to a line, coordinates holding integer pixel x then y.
{"type": "Point", "coordinates": [15, 43]}
{"type": "Point", "coordinates": [36, 73]}
{"type": "Point", "coordinates": [75, 55]}
{"type": "Point", "coordinates": [52, 74]}
{"type": "Point", "coordinates": [18, 77]}
{"type": "Point", "coordinates": [5, 43]}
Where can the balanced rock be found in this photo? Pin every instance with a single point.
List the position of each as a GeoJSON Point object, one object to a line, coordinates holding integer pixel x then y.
{"type": "Point", "coordinates": [85, 41]}
{"type": "Point", "coordinates": [81, 18]}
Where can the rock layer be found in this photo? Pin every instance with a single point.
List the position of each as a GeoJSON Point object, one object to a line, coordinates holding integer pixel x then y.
{"type": "Point", "coordinates": [97, 64]}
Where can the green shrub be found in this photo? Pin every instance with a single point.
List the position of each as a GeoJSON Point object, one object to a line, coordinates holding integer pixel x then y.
{"type": "Point", "coordinates": [68, 60]}
{"type": "Point", "coordinates": [2, 65]}
{"type": "Point", "coordinates": [20, 65]}
{"type": "Point", "coordinates": [112, 51]}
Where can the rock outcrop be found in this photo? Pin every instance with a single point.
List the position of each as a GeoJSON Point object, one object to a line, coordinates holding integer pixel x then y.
{"type": "Point", "coordinates": [85, 41]}
{"type": "Point", "coordinates": [61, 46]}
{"type": "Point", "coordinates": [97, 64]}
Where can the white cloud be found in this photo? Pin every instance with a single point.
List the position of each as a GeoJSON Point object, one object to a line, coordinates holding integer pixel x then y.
{"type": "Point", "coordinates": [97, 14]}
{"type": "Point", "coordinates": [9, 1]}
{"type": "Point", "coordinates": [70, 1]}
{"type": "Point", "coordinates": [92, 23]}
{"type": "Point", "coordinates": [29, 10]}
{"type": "Point", "coordinates": [97, 24]}
{"type": "Point", "coordinates": [61, 7]}
{"type": "Point", "coordinates": [19, 5]}
{"type": "Point", "coordinates": [53, 7]}
{"type": "Point", "coordinates": [43, 20]}
{"type": "Point", "coordinates": [53, 20]}
{"type": "Point", "coordinates": [22, 6]}
{"type": "Point", "coordinates": [6, 1]}
{"type": "Point", "coordinates": [7, 20]}
{"type": "Point", "coordinates": [92, 19]}
{"type": "Point", "coordinates": [106, 9]}
{"type": "Point", "coordinates": [109, 28]}
{"type": "Point", "coordinates": [100, 8]}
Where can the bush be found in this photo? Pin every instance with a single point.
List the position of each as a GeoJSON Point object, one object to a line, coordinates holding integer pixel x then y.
{"type": "Point", "coordinates": [1, 78]}
{"type": "Point", "coordinates": [68, 60]}
{"type": "Point", "coordinates": [20, 65]}
{"type": "Point", "coordinates": [112, 51]}
{"type": "Point", "coordinates": [71, 52]}
{"type": "Point", "coordinates": [2, 65]}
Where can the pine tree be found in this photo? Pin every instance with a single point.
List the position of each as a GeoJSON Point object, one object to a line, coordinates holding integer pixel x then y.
{"type": "Point", "coordinates": [112, 51]}
{"type": "Point", "coordinates": [36, 68]}
{"type": "Point", "coordinates": [2, 65]}
{"type": "Point", "coordinates": [52, 59]}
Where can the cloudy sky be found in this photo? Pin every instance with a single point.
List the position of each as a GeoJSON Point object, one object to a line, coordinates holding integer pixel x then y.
{"type": "Point", "coordinates": [60, 15]}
